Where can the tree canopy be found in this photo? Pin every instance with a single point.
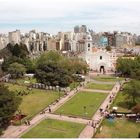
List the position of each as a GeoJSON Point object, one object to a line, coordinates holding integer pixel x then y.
{"type": "Point", "coordinates": [16, 70]}
{"type": "Point", "coordinates": [132, 91]}
{"type": "Point", "coordinates": [54, 69]}
{"type": "Point", "coordinates": [9, 103]}
{"type": "Point", "coordinates": [129, 67]}
{"type": "Point", "coordinates": [108, 48]}
{"type": "Point", "coordinates": [18, 50]}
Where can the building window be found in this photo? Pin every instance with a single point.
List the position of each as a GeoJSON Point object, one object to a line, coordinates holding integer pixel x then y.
{"type": "Point", "coordinates": [88, 49]}
{"type": "Point", "coordinates": [88, 45]}
{"type": "Point", "coordinates": [100, 57]}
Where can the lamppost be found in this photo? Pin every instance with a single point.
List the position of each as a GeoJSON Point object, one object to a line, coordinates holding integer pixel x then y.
{"type": "Point", "coordinates": [118, 80]}
{"type": "Point", "coordinates": [85, 110]}
{"type": "Point", "coordinates": [58, 91]}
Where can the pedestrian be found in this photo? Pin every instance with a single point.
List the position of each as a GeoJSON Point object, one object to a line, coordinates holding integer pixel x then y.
{"type": "Point", "coordinates": [89, 122]}
{"type": "Point", "coordinates": [101, 128]}
{"type": "Point", "coordinates": [49, 110]}
{"type": "Point", "coordinates": [25, 122]}
{"type": "Point", "coordinates": [106, 106]}
{"type": "Point", "coordinates": [92, 124]}
{"type": "Point", "coordinates": [101, 110]}
{"type": "Point", "coordinates": [28, 122]}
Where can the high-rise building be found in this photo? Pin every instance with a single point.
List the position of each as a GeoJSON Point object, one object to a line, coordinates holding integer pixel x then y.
{"type": "Point", "coordinates": [83, 29]}
{"type": "Point", "coordinates": [76, 29]}
{"type": "Point", "coordinates": [14, 37]}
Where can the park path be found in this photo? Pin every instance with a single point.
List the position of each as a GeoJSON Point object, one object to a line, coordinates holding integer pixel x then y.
{"type": "Point", "coordinates": [16, 131]}
{"type": "Point", "coordinates": [95, 90]}
{"type": "Point", "coordinates": [88, 131]}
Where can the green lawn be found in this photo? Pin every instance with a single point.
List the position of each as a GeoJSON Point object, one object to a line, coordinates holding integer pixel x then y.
{"type": "Point", "coordinates": [99, 86]}
{"type": "Point", "coordinates": [35, 101]}
{"type": "Point", "coordinates": [75, 106]}
{"type": "Point", "coordinates": [107, 78]}
{"type": "Point", "coordinates": [55, 129]}
{"type": "Point", "coordinates": [119, 129]}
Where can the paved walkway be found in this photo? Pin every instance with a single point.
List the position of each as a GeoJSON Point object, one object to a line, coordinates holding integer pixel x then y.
{"type": "Point", "coordinates": [89, 131]}
{"type": "Point", "coordinates": [95, 90]}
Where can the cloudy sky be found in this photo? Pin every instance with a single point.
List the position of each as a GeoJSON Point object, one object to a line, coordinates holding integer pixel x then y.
{"type": "Point", "coordinates": [62, 15]}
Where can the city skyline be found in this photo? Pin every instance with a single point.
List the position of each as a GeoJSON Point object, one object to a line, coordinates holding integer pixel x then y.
{"type": "Point", "coordinates": [54, 16]}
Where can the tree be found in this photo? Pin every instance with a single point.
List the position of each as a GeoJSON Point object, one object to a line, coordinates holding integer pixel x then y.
{"type": "Point", "coordinates": [50, 57]}
{"type": "Point", "coordinates": [18, 50]}
{"type": "Point", "coordinates": [108, 48]}
{"type": "Point", "coordinates": [16, 70]}
{"type": "Point", "coordinates": [136, 109]}
{"type": "Point", "coordinates": [126, 66]}
{"type": "Point", "coordinates": [29, 64]}
{"type": "Point", "coordinates": [54, 69]}
{"type": "Point", "coordinates": [9, 103]}
{"type": "Point", "coordinates": [132, 91]}
{"type": "Point", "coordinates": [52, 74]}
{"type": "Point", "coordinates": [74, 65]}
{"type": "Point", "coordinates": [129, 67]}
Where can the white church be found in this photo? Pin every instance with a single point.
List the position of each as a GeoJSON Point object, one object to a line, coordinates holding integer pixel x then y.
{"type": "Point", "coordinates": [98, 59]}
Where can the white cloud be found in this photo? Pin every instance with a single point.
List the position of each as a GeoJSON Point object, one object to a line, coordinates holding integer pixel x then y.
{"type": "Point", "coordinates": [63, 14]}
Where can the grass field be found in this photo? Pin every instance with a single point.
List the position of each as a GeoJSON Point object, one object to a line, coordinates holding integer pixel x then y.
{"type": "Point", "coordinates": [75, 106]}
{"type": "Point", "coordinates": [35, 101]}
{"type": "Point", "coordinates": [119, 129]}
{"type": "Point", "coordinates": [107, 78]}
{"type": "Point", "coordinates": [55, 129]}
{"type": "Point", "coordinates": [99, 86]}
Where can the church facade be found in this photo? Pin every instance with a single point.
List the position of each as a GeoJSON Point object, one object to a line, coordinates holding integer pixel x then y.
{"type": "Point", "coordinates": [98, 59]}
{"type": "Point", "coordinates": [101, 60]}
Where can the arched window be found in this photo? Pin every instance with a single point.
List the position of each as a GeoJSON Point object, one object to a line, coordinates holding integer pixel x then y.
{"type": "Point", "coordinates": [100, 57]}
{"type": "Point", "coordinates": [88, 45]}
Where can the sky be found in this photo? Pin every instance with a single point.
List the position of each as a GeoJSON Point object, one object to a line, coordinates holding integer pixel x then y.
{"type": "Point", "coordinates": [53, 16]}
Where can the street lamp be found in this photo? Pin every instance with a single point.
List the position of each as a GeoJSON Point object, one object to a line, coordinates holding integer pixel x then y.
{"type": "Point", "coordinates": [118, 80]}
{"type": "Point", "coordinates": [85, 110]}
{"type": "Point", "coordinates": [58, 91]}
